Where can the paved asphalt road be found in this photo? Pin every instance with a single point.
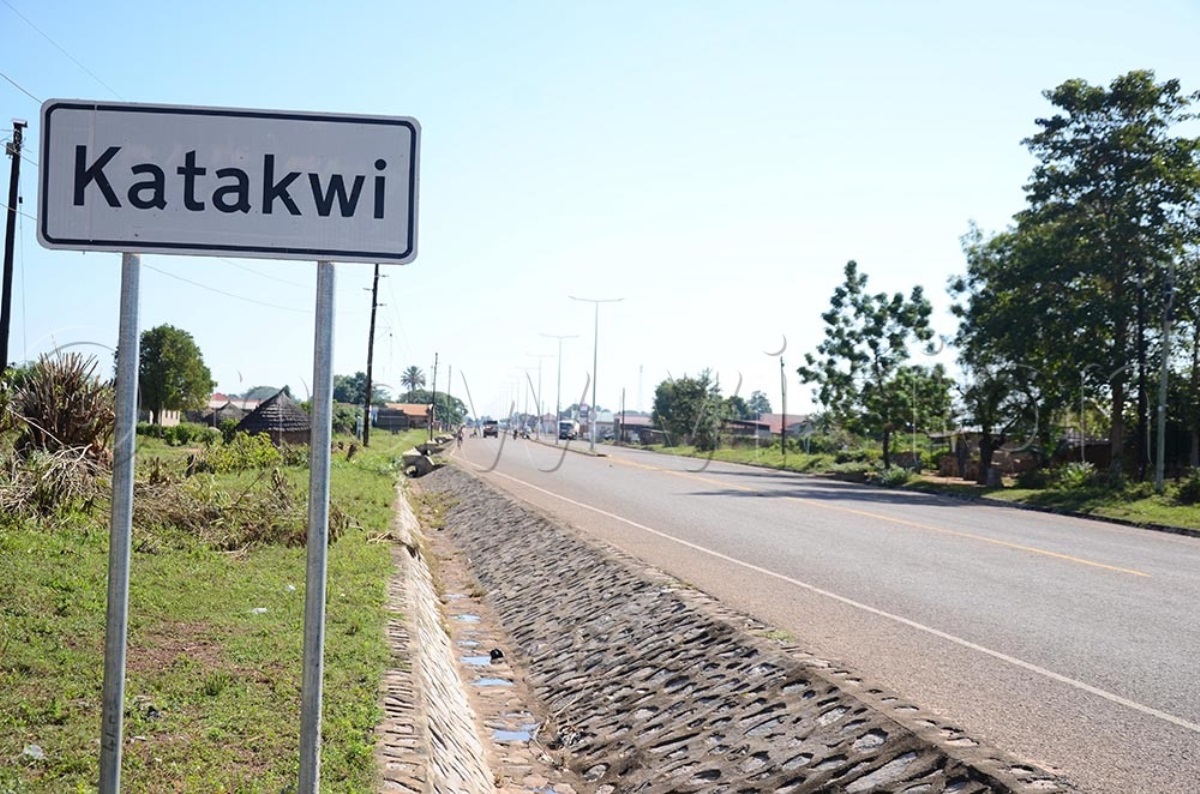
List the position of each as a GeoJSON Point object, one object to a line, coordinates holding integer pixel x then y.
{"type": "Point", "coordinates": [1071, 643]}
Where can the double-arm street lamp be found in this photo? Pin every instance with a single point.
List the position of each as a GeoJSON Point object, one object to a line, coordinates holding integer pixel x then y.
{"type": "Point", "coordinates": [595, 357]}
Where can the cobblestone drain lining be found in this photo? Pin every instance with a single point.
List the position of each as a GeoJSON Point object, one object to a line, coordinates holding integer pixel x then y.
{"type": "Point", "coordinates": [437, 710]}
{"type": "Point", "coordinates": [652, 687]}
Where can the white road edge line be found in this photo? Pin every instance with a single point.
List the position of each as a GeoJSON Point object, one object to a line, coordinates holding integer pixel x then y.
{"type": "Point", "coordinates": [1033, 668]}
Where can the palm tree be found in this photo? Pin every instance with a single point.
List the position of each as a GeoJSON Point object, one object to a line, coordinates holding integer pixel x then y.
{"type": "Point", "coordinates": [413, 378]}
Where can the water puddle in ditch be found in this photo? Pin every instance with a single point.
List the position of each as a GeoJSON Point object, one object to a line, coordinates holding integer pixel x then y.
{"type": "Point", "coordinates": [492, 682]}
{"type": "Point", "coordinates": [512, 736]}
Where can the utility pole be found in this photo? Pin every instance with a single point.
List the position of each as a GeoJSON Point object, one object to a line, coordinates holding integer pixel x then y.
{"type": "Point", "coordinates": [14, 151]}
{"type": "Point", "coordinates": [558, 397]}
{"type": "Point", "coordinates": [595, 359]}
{"type": "Point", "coordinates": [1160, 454]}
{"type": "Point", "coordinates": [370, 359]}
{"type": "Point", "coordinates": [621, 435]}
{"type": "Point", "coordinates": [541, 409]}
{"type": "Point", "coordinates": [433, 404]}
{"type": "Point", "coordinates": [783, 406]}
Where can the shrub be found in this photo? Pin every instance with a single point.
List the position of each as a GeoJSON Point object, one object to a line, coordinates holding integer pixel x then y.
{"type": "Point", "coordinates": [345, 419]}
{"type": "Point", "coordinates": [852, 467]}
{"type": "Point", "coordinates": [1033, 478]}
{"type": "Point", "coordinates": [228, 429]}
{"type": "Point", "coordinates": [243, 452]}
{"type": "Point", "coordinates": [294, 455]}
{"type": "Point", "coordinates": [1074, 476]}
{"type": "Point", "coordinates": [1189, 489]}
{"type": "Point", "coordinates": [859, 455]}
{"type": "Point", "coordinates": [894, 477]}
{"type": "Point", "coordinates": [62, 404]}
{"type": "Point", "coordinates": [184, 433]}
{"type": "Point", "coordinates": [149, 429]}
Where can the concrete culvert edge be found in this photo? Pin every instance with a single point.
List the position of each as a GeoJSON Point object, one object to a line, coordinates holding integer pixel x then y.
{"type": "Point", "coordinates": [653, 687]}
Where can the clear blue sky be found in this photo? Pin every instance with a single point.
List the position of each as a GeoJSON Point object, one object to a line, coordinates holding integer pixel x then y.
{"type": "Point", "coordinates": [713, 163]}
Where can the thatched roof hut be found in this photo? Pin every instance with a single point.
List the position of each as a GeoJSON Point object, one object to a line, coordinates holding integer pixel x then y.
{"type": "Point", "coordinates": [279, 417]}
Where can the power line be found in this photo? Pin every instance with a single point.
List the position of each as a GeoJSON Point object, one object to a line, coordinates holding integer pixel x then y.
{"type": "Point", "coordinates": [227, 294]}
{"type": "Point", "coordinates": [394, 308]}
{"type": "Point", "coordinates": [19, 211]}
{"type": "Point", "coordinates": [20, 88]}
{"type": "Point", "coordinates": [63, 51]}
{"type": "Point", "coordinates": [264, 275]}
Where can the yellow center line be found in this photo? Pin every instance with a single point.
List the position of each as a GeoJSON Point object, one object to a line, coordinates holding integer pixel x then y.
{"type": "Point", "coordinates": [889, 519]}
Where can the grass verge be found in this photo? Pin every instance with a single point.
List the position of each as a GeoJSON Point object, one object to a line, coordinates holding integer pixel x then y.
{"type": "Point", "coordinates": [214, 651]}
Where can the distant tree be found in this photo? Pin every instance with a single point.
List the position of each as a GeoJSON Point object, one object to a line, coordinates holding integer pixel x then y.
{"type": "Point", "coordinates": [866, 342]}
{"type": "Point", "coordinates": [758, 403]}
{"type": "Point", "coordinates": [260, 393]}
{"type": "Point", "coordinates": [352, 389]}
{"type": "Point", "coordinates": [412, 379]}
{"type": "Point", "coordinates": [689, 410]}
{"type": "Point", "coordinates": [737, 408]}
{"type": "Point", "coordinates": [172, 375]}
{"type": "Point", "coordinates": [923, 397]}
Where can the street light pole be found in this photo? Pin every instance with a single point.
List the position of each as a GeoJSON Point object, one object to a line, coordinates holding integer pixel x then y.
{"type": "Point", "coordinates": [558, 397]}
{"type": "Point", "coordinates": [595, 360]}
{"type": "Point", "coordinates": [540, 408]}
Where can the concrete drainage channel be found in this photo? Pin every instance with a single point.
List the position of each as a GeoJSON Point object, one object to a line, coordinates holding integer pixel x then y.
{"type": "Point", "coordinates": [623, 681]}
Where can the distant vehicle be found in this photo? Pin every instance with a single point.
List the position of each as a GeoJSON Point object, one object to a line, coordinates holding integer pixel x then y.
{"type": "Point", "coordinates": [568, 429]}
{"type": "Point", "coordinates": [491, 428]}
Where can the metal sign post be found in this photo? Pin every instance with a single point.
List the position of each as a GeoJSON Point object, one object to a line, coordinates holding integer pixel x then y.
{"type": "Point", "coordinates": [205, 181]}
{"type": "Point", "coordinates": [319, 453]}
{"type": "Point", "coordinates": [120, 529]}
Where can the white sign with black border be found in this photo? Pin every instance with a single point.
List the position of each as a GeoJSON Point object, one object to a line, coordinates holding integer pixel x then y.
{"type": "Point", "coordinates": [173, 179]}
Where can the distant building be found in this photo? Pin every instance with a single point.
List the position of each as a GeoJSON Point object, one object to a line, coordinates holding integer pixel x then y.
{"type": "Point", "coordinates": [634, 428]}
{"type": "Point", "coordinates": [797, 424]}
{"type": "Point", "coordinates": [165, 418]}
{"type": "Point", "coordinates": [280, 418]}
{"type": "Point", "coordinates": [221, 407]}
{"type": "Point", "coordinates": [402, 416]}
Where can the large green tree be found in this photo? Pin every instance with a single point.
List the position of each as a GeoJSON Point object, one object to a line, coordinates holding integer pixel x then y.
{"type": "Point", "coordinates": [855, 369]}
{"type": "Point", "coordinates": [1073, 288]}
{"type": "Point", "coordinates": [172, 375]}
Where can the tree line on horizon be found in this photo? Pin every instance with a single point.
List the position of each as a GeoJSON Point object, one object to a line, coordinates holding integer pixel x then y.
{"type": "Point", "coordinates": [1077, 314]}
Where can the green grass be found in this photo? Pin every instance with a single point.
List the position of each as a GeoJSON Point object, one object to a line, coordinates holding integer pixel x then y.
{"type": "Point", "coordinates": [1135, 503]}
{"type": "Point", "coordinates": [771, 457]}
{"type": "Point", "coordinates": [213, 681]}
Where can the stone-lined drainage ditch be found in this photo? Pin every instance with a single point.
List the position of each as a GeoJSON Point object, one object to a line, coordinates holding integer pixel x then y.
{"type": "Point", "coordinates": [646, 686]}
{"type": "Point", "coordinates": [457, 717]}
